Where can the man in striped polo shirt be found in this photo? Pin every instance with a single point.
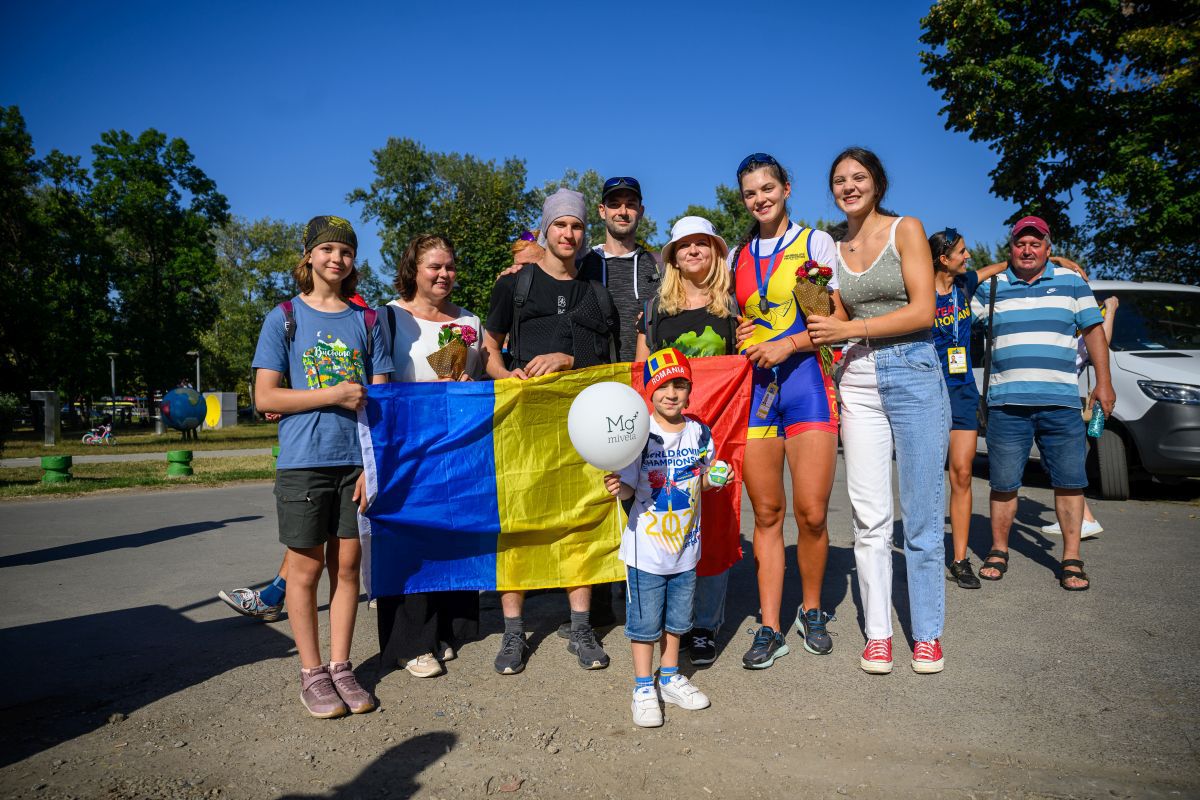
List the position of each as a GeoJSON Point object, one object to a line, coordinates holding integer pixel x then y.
{"type": "Point", "coordinates": [1034, 394]}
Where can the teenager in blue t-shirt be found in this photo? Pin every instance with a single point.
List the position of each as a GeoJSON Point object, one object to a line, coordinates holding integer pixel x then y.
{"type": "Point", "coordinates": [328, 350]}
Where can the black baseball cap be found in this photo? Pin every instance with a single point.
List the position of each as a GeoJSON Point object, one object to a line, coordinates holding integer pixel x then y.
{"type": "Point", "coordinates": [621, 184]}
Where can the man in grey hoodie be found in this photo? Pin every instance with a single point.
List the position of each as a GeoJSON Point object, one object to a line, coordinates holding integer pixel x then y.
{"type": "Point", "coordinates": [628, 270]}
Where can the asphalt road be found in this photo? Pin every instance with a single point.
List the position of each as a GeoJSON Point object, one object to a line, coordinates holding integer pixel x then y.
{"type": "Point", "coordinates": [123, 676]}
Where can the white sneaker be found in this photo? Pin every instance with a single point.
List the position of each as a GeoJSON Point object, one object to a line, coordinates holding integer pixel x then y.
{"type": "Point", "coordinates": [646, 711]}
{"type": "Point", "coordinates": [446, 652]}
{"type": "Point", "coordinates": [424, 666]}
{"type": "Point", "coordinates": [1089, 529]}
{"type": "Point", "coordinates": [679, 691]}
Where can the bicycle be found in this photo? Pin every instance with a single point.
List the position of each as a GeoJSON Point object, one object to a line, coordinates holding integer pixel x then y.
{"type": "Point", "coordinates": [100, 435]}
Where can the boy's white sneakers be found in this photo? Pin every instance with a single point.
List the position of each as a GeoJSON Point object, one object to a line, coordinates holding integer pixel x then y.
{"type": "Point", "coordinates": [679, 691]}
{"type": "Point", "coordinates": [646, 711]}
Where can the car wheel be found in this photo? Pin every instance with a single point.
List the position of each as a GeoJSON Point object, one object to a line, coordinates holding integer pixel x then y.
{"type": "Point", "coordinates": [1114, 466]}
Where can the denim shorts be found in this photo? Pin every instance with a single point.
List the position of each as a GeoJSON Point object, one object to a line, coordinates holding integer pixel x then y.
{"type": "Point", "coordinates": [316, 505]}
{"type": "Point", "coordinates": [1060, 436]}
{"type": "Point", "coordinates": [964, 406]}
{"type": "Point", "coordinates": [654, 602]}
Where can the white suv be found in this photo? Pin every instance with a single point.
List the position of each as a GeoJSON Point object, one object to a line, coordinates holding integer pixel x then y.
{"type": "Point", "coordinates": [1155, 428]}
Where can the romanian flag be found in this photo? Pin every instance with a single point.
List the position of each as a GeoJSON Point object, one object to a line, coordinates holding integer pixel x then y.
{"type": "Point", "coordinates": [475, 485]}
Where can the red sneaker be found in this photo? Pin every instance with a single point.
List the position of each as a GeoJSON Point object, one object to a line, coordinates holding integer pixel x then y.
{"type": "Point", "coordinates": [877, 656]}
{"type": "Point", "coordinates": [928, 657]}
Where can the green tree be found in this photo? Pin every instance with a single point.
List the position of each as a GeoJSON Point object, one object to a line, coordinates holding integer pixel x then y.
{"type": "Point", "coordinates": [1100, 97]}
{"type": "Point", "coordinates": [161, 213]}
{"type": "Point", "coordinates": [591, 185]}
{"type": "Point", "coordinates": [478, 205]}
{"type": "Point", "coordinates": [55, 332]}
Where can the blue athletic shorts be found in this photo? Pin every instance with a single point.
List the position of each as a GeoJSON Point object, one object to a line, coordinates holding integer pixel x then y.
{"type": "Point", "coordinates": [806, 401]}
{"type": "Point", "coordinates": [964, 406]}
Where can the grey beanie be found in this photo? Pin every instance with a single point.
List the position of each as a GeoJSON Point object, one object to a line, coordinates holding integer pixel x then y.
{"type": "Point", "coordinates": [563, 203]}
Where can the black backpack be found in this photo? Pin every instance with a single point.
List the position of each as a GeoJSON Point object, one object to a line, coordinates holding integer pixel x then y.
{"type": "Point", "coordinates": [602, 329]}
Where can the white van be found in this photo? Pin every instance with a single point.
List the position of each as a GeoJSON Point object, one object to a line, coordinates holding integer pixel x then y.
{"type": "Point", "coordinates": [1154, 430]}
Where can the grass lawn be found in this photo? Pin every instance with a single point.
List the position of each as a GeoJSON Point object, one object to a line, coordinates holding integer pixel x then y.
{"type": "Point", "coordinates": [24, 444]}
{"type": "Point", "coordinates": [27, 481]}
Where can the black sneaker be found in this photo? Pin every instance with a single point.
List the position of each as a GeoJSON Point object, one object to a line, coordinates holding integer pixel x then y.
{"type": "Point", "coordinates": [513, 651]}
{"type": "Point", "coordinates": [962, 574]}
{"type": "Point", "coordinates": [768, 646]}
{"type": "Point", "coordinates": [583, 644]}
{"type": "Point", "coordinates": [703, 650]}
{"type": "Point", "coordinates": [811, 625]}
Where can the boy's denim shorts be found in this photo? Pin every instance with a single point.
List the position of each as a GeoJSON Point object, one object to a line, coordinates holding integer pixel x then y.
{"type": "Point", "coordinates": [654, 602]}
{"type": "Point", "coordinates": [316, 505]}
{"type": "Point", "coordinates": [1061, 439]}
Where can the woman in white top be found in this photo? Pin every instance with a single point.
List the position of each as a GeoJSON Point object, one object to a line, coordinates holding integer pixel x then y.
{"type": "Point", "coordinates": [420, 631]}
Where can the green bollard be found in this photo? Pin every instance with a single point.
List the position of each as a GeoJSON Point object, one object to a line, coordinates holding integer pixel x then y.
{"type": "Point", "coordinates": [57, 469]}
{"type": "Point", "coordinates": [275, 454]}
{"type": "Point", "coordinates": [179, 463]}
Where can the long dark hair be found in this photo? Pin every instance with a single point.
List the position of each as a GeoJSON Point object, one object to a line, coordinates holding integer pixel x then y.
{"type": "Point", "coordinates": [780, 175]}
{"type": "Point", "coordinates": [941, 245]}
{"type": "Point", "coordinates": [874, 166]}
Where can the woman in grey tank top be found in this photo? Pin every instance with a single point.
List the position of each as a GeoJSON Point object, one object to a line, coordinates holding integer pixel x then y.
{"type": "Point", "coordinates": [892, 396]}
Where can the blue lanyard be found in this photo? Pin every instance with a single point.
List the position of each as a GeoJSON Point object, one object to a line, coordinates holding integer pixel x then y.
{"type": "Point", "coordinates": [763, 303]}
{"type": "Point", "coordinates": [954, 310]}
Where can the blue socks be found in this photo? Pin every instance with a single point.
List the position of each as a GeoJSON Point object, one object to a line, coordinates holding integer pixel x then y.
{"type": "Point", "coordinates": [272, 595]}
{"type": "Point", "coordinates": [639, 682]}
{"type": "Point", "coordinates": [666, 673]}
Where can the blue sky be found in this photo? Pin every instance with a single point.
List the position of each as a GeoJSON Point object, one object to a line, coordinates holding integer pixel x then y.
{"type": "Point", "coordinates": [283, 103]}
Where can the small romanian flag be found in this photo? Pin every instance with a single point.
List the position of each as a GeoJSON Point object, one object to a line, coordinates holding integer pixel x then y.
{"type": "Point", "coordinates": [476, 485]}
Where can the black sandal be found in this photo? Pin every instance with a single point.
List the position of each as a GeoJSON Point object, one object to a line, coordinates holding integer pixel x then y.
{"type": "Point", "coordinates": [1000, 566]}
{"type": "Point", "coordinates": [962, 574]}
{"type": "Point", "coordinates": [1077, 573]}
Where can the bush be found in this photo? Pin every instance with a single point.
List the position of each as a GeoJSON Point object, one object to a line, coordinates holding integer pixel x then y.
{"type": "Point", "coordinates": [10, 408]}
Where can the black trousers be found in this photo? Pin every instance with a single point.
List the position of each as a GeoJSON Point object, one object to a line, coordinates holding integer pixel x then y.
{"type": "Point", "coordinates": [411, 625]}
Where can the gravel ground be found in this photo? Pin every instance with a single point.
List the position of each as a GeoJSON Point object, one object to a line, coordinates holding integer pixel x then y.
{"type": "Point", "coordinates": [127, 679]}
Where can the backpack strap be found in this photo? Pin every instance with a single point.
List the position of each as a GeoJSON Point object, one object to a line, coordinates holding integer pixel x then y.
{"type": "Point", "coordinates": [649, 314]}
{"type": "Point", "coordinates": [370, 317]}
{"type": "Point", "coordinates": [982, 413]}
{"type": "Point", "coordinates": [520, 295]}
{"type": "Point", "coordinates": [289, 322]}
{"type": "Point", "coordinates": [732, 322]}
{"type": "Point", "coordinates": [604, 299]}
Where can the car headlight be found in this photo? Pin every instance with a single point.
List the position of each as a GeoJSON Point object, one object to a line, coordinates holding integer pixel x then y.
{"type": "Point", "coordinates": [1171, 392]}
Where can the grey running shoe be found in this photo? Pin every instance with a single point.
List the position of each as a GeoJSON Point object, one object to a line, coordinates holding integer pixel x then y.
{"type": "Point", "coordinates": [356, 698]}
{"type": "Point", "coordinates": [319, 695]}
{"type": "Point", "coordinates": [513, 651]}
{"type": "Point", "coordinates": [583, 644]}
{"type": "Point", "coordinates": [248, 603]}
{"type": "Point", "coordinates": [811, 625]}
{"type": "Point", "coordinates": [768, 645]}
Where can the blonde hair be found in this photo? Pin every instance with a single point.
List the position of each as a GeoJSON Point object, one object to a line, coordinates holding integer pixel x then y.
{"type": "Point", "coordinates": [671, 298]}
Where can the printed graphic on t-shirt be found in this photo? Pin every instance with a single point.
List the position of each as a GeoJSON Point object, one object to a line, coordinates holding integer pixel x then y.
{"type": "Point", "coordinates": [693, 345]}
{"type": "Point", "coordinates": [330, 362]}
{"type": "Point", "coordinates": [674, 477]}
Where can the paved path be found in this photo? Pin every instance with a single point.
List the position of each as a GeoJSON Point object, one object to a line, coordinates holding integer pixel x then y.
{"type": "Point", "coordinates": [103, 456]}
{"type": "Point", "coordinates": [124, 677]}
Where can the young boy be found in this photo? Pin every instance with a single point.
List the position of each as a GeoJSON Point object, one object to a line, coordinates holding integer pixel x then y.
{"type": "Point", "coordinates": [661, 544]}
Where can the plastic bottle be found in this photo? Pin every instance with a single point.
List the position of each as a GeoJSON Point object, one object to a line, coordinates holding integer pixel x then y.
{"type": "Point", "coordinates": [1096, 424]}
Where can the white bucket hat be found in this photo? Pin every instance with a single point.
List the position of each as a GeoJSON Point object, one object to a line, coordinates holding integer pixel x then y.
{"type": "Point", "coordinates": [685, 227]}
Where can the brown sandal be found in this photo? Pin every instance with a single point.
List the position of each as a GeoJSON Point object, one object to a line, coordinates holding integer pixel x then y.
{"type": "Point", "coordinates": [1000, 566]}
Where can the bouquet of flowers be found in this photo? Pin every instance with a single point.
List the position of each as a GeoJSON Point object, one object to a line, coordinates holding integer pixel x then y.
{"type": "Point", "coordinates": [812, 296]}
{"type": "Point", "coordinates": [450, 359]}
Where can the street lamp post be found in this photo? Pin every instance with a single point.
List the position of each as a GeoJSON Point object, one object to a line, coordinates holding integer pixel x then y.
{"type": "Point", "coordinates": [196, 355]}
{"type": "Point", "coordinates": [112, 375]}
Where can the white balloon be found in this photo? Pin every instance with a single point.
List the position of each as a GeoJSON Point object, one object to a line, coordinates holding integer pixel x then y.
{"type": "Point", "coordinates": [609, 425]}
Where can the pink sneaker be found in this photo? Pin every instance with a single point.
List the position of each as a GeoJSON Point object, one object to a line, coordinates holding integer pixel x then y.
{"type": "Point", "coordinates": [356, 698]}
{"type": "Point", "coordinates": [928, 657]}
{"type": "Point", "coordinates": [877, 656]}
{"type": "Point", "coordinates": [318, 695]}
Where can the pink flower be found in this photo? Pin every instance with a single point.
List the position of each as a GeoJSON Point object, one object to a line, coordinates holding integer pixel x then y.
{"type": "Point", "coordinates": [657, 479]}
{"type": "Point", "coordinates": [469, 335]}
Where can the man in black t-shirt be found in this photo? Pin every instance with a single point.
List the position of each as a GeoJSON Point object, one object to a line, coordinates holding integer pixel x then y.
{"type": "Point", "coordinates": [557, 324]}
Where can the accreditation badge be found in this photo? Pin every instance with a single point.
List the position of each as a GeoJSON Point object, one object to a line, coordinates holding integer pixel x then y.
{"type": "Point", "coordinates": [956, 358]}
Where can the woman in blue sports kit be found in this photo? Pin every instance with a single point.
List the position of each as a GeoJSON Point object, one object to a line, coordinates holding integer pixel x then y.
{"type": "Point", "coordinates": [793, 412]}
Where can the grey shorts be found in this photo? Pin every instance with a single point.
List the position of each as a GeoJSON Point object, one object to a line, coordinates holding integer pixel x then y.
{"type": "Point", "coordinates": [316, 505]}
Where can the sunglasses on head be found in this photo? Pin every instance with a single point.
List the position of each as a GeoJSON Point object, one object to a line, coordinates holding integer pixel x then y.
{"type": "Point", "coordinates": [951, 235]}
{"type": "Point", "coordinates": [622, 183]}
{"type": "Point", "coordinates": [756, 158]}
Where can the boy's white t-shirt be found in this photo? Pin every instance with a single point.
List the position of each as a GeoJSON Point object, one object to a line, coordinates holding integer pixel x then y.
{"type": "Point", "coordinates": [663, 534]}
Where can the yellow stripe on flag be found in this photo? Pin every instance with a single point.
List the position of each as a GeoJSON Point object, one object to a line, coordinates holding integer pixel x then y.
{"type": "Point", "coordinates": [558, 526]}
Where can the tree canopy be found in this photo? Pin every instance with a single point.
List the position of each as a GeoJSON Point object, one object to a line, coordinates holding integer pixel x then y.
{"type": "Point", "coordinates": [1095, 97]}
